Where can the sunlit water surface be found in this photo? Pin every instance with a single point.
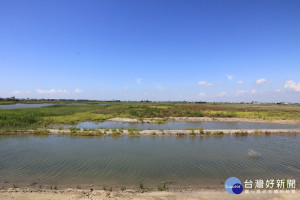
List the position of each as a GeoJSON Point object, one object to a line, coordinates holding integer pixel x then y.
{"type": "Point", "coordinates": [197, 161]}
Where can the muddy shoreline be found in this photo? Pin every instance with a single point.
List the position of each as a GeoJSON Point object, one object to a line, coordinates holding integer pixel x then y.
{"type": "Point", "coordinates": [208, 119]}
{"type": "Point", "coordinates": [212, 194]}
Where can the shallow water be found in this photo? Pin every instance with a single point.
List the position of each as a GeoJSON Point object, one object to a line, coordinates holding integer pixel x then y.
{"type": "Point", "coordinates": [22, 105]}
{"type": "Point", "coordinates": [183, 125]}
{"type": "Point", "coordinates": [197, 161]}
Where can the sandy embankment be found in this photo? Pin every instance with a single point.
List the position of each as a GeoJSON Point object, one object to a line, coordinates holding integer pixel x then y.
{"type": "Point", "coordinates": [216, 119]}
{"type": "Point", "coordinates": [183, 132]}
{"type": "Point", "coordinates": [205, 132]}
{"type": "Point", "coordinates": [75, 194]}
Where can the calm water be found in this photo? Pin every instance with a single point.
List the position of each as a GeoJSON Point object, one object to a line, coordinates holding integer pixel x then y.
{"type": "Point", "coordinates": [22, 105]}
{"type": "Point", "coordinates": [197, 161]}
{"type": "Point", "coordinates": [183, 125]}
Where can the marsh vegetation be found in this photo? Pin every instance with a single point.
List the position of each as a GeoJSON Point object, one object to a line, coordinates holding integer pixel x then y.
{"type": "Point", "coordinates": [33, 118]}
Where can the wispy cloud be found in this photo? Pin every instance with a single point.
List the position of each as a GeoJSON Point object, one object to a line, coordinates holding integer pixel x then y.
{"type": "Point", "coordinates": [202, 94]}
{"type": "Point", "coordinates": [125, 88]}
{"type": "Point", "coordinates": [52, 91]}
{"type": "Point", "coordinates": [58, 91]}
{"type": "Point", "coordinates": [230, 77]}
{"type": "Point", "coordinates": [261, 81]}
{"type": "Point", "coordinates": [292, 85]}
{"type": "Point", "coordinates": [240, 92]}
{"type": "Point", "coordinates": [138, 80]}
{"type": "Point", "coordinates": [18, 92]}
{"type": "Point", "coordinates": [221, 94]}
{"type": "Point", "coordinates": [240, 82]}
{"type": "Point", "coordinates": [78, 91]}
{"type": "Point", "coordinates": [204, 83]}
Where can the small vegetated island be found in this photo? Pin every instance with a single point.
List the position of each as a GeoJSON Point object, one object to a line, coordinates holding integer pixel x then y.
{"type": "Point", "coordinates": [63, 117]}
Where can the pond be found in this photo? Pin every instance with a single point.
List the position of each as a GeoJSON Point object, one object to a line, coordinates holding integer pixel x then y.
{"type": "Point", "coordinates": [23, 105]}
{"type": "Point", "coordinates": [182, 125]}
{"type": "Point", "coordinates": [190, 161]}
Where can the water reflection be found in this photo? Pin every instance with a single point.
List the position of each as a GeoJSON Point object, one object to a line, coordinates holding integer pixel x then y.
{"type": "Point", "coordinates": [127, 160]}
{"type": "Point", "coordinates": [182, 125]}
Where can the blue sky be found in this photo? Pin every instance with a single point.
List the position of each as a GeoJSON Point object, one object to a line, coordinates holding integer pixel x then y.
{"type": "Point", "coordinates": [151, 49]}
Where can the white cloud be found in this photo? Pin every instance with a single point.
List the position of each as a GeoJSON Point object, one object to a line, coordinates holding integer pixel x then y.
{"type": "Point", "coordinates": [18, 92]}
{"type": "Point", "coordinates": [125, 89]}
{"type": "Point", "coordinates": [205, 83]}
{"type": "Point", "coordinates": [277, 90]}
{"type": "Point", "coordinates": [240, 92]}
{"type": "Point", "coordinates": [292, 85]}
{"type": "Point", "coordinates": [202, 94]}
{"type": "Point", "coordinates": [230, 77]}
{"type": "Point", "coordinates": [222, 94]}
{"type": "Point", "coordinates": [52, 91]}
{"type": "Point", "coordinates": [253, 91]}
{"type": "Point", "coordinates": [261, 81]}
{"type": "Point", "coordinates": [138, 80]}
{"type": "Point", "coordinates": [240, 82]}
{"type": "Point", "coordinates": [77, 91]}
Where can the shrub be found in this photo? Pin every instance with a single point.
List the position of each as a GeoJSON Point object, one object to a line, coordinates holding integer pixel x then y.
{"type": "Point", "coordinates": [41, 132]}
{"type": "Point", "coordinates": [242, 133]}
{"type": "Point", "coordinates": [180, 134]}
{"type": "Point", "coordinates": [133, 131]}
{"type": "Point", "coordinates": [219, 133]}
{"type": "Point", "coordinates": [162, 187]}
{"type": "Point", "coordinates": [73, 129]}
{"type": "Point", "coordinates": [141, 185]}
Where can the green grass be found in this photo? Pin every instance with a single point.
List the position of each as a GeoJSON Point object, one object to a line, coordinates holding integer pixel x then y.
{"type": "Point", "coordinates": [242, 133]}
{"type": "Point", "coordinates": [2, 102]}
{"type": "Point", "coordinates": [161, 121]}
{"type": "Point", "coordinates": [115, 131]}
{"type": "Point", "coordinates": [41, 132]}
{"type": "Point", "coordinates": [219, 133]}
{"type": "Point", "coordinates": [61, 114]}
{"type": "Point", "coordinates": [162, 187]}
{"type": "Point", "coordinates": [258, 132]}
{"type": "Point", "coordinates": [133, 131]}
{"type": "Point", "coordinates": [141, 185]}
{"type": "Point", "coordinates": [73, 129]}
{"type": "Point", "coordinates": [193, 129]}
{"type": "Point", "coordinates": [123, 188]}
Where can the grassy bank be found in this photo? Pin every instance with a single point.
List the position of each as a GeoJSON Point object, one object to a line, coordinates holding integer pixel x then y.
{"type": "Point", "coordinates": [69, 113]}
